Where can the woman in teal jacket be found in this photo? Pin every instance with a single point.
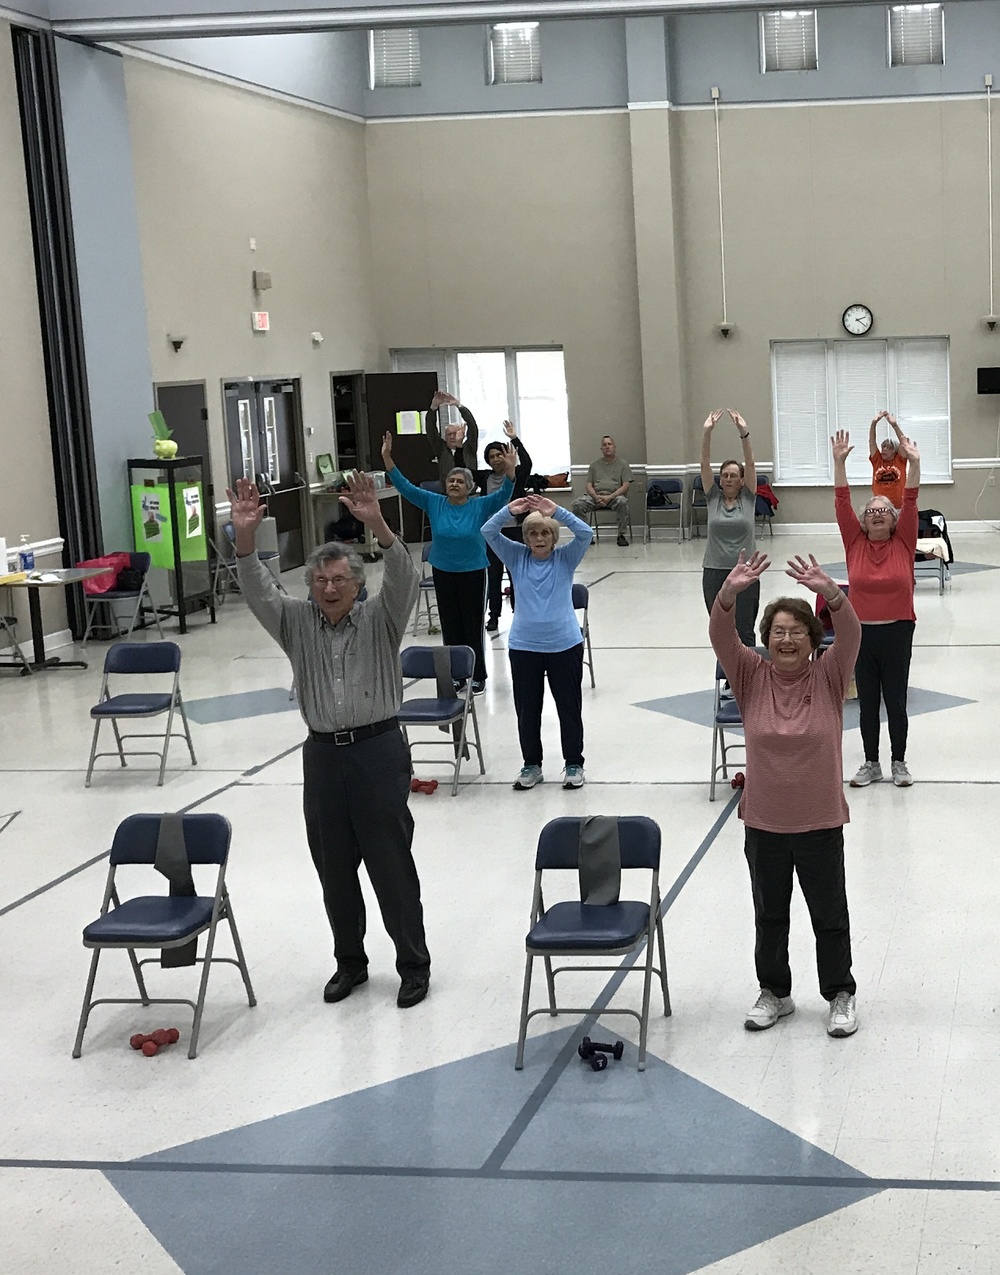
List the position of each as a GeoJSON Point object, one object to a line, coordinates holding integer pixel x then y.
{"type": "Point", "coordinates": [458, 552]}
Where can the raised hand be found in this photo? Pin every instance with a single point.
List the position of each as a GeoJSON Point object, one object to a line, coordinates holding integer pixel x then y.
{"type": "Point", "coordinates": [737, 420]}
{"type": "Point", "coordinates": [711, 420]}
{"type": "Point", "coordinates": [520, 506]}
{"type": "Point", "coordinates": [438, 400]}
{"type": "Point", "coordinates": [387, 450]}
{"type": "Point", "coordinates": [510, 429]}
{"type": "Point", "coordinates": [893, 422]}
{"type": "Point", "coordinates": [247, 508]}
{"type": "Point", "coordinates": [542, 505]}
{"type": "Point", "coordinates": [841, 444]}
{"type": "Point", "coordinates": [510, 461]}
{"type": "Point", "coordinates": [811, 575]}
{"type": "Point", "coordinates": [362, 499]}
{"type": "Point", "coordinates": [746, 571]}
{"type": "Point", "coordinates": [907, 448]}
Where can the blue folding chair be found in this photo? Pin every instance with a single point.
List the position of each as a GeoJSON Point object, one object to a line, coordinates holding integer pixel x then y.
{"type": "Point", "coordinates": [581, 602]}
{"type": "Point", "coordinates": [580, 929]}
{"type": "Point", "coordinates": [94, 601]}
{"type": "Point", "coordinates": [698, 509]}
{"type": "Point", "coordinates": [672, 508]}
{"type": "Point", "coordinates": [450, 709]}
{"type": "Point", "coordinates": [436, 485]}
{"type": "Point", "coordinates": [426, 595]}
{"type": "Point", "coordinates": [725, 718]}
{"type": "Point", "coordinates": [763, 512]}
{"type": "Point", "coordinates": [164, 921]}
{"type": "Point", "coordinates": [126, 659]}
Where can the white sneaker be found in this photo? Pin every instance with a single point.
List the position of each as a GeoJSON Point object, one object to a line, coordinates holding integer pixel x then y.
{"type": "Point", "coordinates": [901, 777]}
{"type": "Point", "coordinates": [767, 1010]}
{"type": "Point", "coordinates": [869, 773]}
{"type": "Point", "coordinates": [843, 1020]}
{"type": "Point", "coordinates": [573, 777]}
{"type": "Point", "coordinates": [529, 776]}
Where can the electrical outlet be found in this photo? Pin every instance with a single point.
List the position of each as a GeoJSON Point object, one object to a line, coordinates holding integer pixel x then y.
{"type": "Point", "coordinates": [991, 481]}
{"type": "Point", "coordinates": [311, 458]}
{"type": "Point", "coordinates": [253, 245]}
{"type": "Point", "coordinates": [715, 94]}
{"type": "Point", "coordinates": [988, 81]}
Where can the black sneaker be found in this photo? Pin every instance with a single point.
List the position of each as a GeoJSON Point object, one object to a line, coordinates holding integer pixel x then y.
{"type": "Point", "coordinates": [342, 984]}
{"type": "Point", "coordinates": [412, 991]}
{"type": "Point", "coordinates": [623, 542]}
{"type": "Point", "coordinates": [493, 626]}
{"type": "Point", "coordinates": [478, 687]}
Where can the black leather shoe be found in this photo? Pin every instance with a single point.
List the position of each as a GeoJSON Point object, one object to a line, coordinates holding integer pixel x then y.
{"type": "Point", "coordinates": [342, 984]}
{"type": "Point", "coordinates": [412, 991]}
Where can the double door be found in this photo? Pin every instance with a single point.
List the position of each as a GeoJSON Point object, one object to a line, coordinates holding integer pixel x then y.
{"type": "Point", "coordinates": [264, 444]}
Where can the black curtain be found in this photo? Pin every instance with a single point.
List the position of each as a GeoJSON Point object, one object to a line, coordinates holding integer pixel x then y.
{"type": "Point", "coordinates": [58, 302]}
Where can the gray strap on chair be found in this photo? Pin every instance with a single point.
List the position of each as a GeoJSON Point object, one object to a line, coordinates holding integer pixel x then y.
{"type": "Point", "coordinates": [172, 861]}
{"type": "Point", "coordinates": [445, 683]}
{"type": "Point", "coordinates": [600, 862]}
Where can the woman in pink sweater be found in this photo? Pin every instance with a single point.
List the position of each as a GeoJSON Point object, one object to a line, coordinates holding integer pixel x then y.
{"type": "Point", "coordinates": [793, 805]}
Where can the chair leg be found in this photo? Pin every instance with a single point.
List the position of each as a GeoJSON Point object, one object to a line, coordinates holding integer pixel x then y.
{"type": "Point", "coordinates": [135, 616]}
{"type": "Point", "coordinates": [166, 744]}
{"type": "Point", "coordinates": [187, 728]}
{"type": "Point", "coordinates": [715, 753]}
{"type": "Point", "coordinates": [550, 980]}
{"type": "Point", "coordinates": [85, 1010]}
{"type": "Point", "coordinates": [91, 612]}
{"type": "Point", "coordinates": [199, 1007]}
{"type": "Point", "coordinates": [664, 985]}
{"type": "Point", "coordinates": [479, 742]}
{"type": "Point", "coordinates": [590, 652]}
{"type": "Point", "coordinates": [145, 593]}
{"type": "Point", "coordinates": [461, 747]}
{"type": "Point", "coordinates": [240, 958]}
{"type": "Point", "coordinates": [140, 982]}
{"type": "Point", "coordinates": [93, 753]}
{"type": "Point", "coordinates": [647, 983]}
{"type": "Point", "coordinates": [522, 1027]}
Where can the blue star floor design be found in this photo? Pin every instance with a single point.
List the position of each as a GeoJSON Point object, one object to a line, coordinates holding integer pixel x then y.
{"type": "Point", "coordinates": [406, 1191]}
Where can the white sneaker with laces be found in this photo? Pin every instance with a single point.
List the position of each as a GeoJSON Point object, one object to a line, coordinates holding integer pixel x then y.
{"type": "Point", "coordinates": [901, 777]}
{"type": "Point", "coordinates": [767, 1010]}
{"type": "Point", "coordinates": [573, 777]}
{"type": "Point", "coordinates": [529, 776]}
{"type": "Point", "coordinates": [869, 773]}
{"type": "Point", "coordinates": [843, 1020]}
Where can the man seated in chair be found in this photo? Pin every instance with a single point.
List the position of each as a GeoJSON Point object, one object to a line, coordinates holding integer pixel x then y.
{"type": "Point", "coordinates": [356, 766]}
{"type": "Point", "coordinates": [608, 481]}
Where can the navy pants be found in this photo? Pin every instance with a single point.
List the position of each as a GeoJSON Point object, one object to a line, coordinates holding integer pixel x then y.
{"type": "Point", "coordinates": [564, 670]}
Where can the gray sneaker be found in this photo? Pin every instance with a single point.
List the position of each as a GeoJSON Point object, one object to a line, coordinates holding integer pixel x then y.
{"type": "Point", "coordinates": [573, 777]}
{"type": "Point", "coordinates": [529, 776]}
{"type": "Point", "coordinates": [843, 1020]}
{"type": "Point", "coordinates": [869, 773]}
{"type": "Point", "coordinates": [901, 777]}
{"type": "Point", "coordinates": [767, 1010]}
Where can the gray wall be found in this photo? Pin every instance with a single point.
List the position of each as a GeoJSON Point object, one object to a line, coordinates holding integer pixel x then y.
{"type": "Point", "coordinates": [109, 268]}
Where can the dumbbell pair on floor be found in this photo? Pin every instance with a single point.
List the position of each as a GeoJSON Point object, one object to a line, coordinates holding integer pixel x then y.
{"type": "Point", "coordinates": [596, 1052]}
{"type": "Point", "coordinates": [155, 1040]}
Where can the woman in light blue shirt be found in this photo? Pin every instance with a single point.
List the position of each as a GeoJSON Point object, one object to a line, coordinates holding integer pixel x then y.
{"type": "Point", "coordinates": [545, 638]}
{"type": "Point", "coordinates": [457, 556]}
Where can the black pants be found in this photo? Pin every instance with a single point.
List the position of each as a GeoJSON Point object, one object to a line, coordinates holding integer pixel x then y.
{"type": "Point", "coordinates": [355, 800]}
{"type": "Point", "coordinates": [564, 670]}
{"type": "Point", "coordinates": [460, 599]}
{"type": "Point", "coordinates": [817, 858]}
{"type": "Point", "coordinates": [747, 602]}
{"type": "Point", "coordinates": [883, 673]}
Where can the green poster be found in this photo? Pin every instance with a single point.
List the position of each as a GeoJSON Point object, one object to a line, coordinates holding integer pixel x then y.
{"type": "Point", "coordinates": [151, 522]}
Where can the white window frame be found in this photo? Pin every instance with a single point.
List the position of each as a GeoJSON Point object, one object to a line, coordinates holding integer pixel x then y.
{"type": "Point", "coordinates": [503, 63]}
{"type": "Point", "coordinates": [393, 58]}
{"type": "Point", "coordinates": [771, 50]}
{"type": "Point", "coordinates": [813, 466]}
{"type": "Point", "coordinates": [897, 16]}
{"type": "Point", "coordinates": [445, 363]}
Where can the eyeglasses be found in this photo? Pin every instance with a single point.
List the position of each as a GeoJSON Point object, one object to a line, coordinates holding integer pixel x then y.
{"type": "Point", "coordinates": [879, 509]}
{"type": "Point", "coordinates": [795, 634]}
{"type": "Point", "coordinates": [338, 582]}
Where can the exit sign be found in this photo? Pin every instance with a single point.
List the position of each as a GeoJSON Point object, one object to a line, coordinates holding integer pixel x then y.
{"type": "Point", "coordinates": [261, 321]}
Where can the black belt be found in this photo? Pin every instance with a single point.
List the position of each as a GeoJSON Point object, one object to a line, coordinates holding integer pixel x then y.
{"type": "Point", "coordinates": [355, 736]}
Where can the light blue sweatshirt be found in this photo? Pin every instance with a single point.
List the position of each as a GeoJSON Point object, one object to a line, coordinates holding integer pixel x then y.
{"type": "Point", "coordinates": [544, 619]}
{"type": "Point", "coordinates": [456, 542]}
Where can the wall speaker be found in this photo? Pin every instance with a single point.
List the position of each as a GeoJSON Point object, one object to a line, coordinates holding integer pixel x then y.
{"type": "Point", "coordinates": [988, 380]}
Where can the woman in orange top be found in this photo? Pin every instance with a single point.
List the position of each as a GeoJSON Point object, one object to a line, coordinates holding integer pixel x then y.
{"type": "Point", "coordinates": [888, 462]}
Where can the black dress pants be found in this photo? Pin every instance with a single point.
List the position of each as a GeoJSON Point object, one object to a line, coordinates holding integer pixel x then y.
{"type": "Point", "coordinates": [460, 599]}
{"type": "Point", "coordinates": [564, 669]}
{"type": "Point", "coordinates": [747, 602]}
{"type": "Point", "coordinates": [882, 673]}
{"type": "Point", "coordinates": [817, 858]}
{"type": "Point", "coordinates": [355, 799]}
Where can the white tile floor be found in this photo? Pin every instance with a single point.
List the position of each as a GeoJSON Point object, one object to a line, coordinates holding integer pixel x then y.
{"type": "Point", "coordinates": [912, 1097]}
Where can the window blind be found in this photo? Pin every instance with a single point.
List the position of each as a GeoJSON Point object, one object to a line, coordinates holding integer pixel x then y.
{"type": "Point", "coordinates": [515, 53]}
{"type": "Point", "coordinates": [801, 432]}
{"type": "Point", "coordinates": [393, 58]}
{"type": "Point", "coordinates": [916, 35]}
{"type": "Point", "coordinates": [788, 38]}
{"type": "Point", "coordinates": [861, 387]}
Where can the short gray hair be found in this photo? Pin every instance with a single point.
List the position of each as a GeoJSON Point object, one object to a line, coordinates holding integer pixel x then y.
{"type": "Point", "coordinates": [470, 478]}
{"type": "Point", "coordinates": [335, 551]}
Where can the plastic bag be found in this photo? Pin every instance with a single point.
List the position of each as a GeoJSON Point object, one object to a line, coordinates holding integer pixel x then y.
{"type": "Point", "coordinates": [113, 562]}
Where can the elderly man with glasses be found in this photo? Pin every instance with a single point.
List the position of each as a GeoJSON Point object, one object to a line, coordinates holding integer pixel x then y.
{"type": "Point", "coordinates": [356, 767]}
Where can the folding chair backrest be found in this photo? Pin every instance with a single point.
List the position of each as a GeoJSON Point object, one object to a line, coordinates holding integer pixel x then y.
{"type": "Point", "coordinates": [229, 531]}
{"type": "Point", "coordinates": [140, 562]}
{"type": "Point", "coordinates": [559, 843]}
{"type": "Point", "coordinates": [418, 661]}
{"type": "Point", "coordinates": [434, 484]}
{"type": "Point", "coordinates": [425, 550]}
{"type": "Point", "coordinates": [581, 597]}
{"type": "Point", "coordinates": [206, 837]}
{"type": "Point", "coordinates": [143, 657]}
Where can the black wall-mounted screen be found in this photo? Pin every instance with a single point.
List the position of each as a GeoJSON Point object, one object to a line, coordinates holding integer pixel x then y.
{"type": "Point", "coordinates": [988, 380]}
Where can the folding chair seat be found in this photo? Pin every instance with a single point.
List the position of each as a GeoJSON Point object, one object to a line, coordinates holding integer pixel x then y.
{"type": "Point", "coordinates": [725, 718]}
{"type": "Point", "coordinates": [599, 924]}
{"type": "Point", "coordinates": [127, 659]}
{"type": "Point", "coordinates": [426, 596]}
{"type": "Point", "coordinates": [593, 517]}
{"type": "Point", "coordinates": [172, 844]}
{"type": "Point", "coordinates": [673, 490]}
{"type": "Point", "coordinates": [141, 599]}
{"type": "Point", "coordinates": [581, 602]}
{"type": "Point", "coordinates": [449, 710]}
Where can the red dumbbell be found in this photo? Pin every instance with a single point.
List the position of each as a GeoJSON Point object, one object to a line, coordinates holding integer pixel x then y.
{"type": "Point", "coordinates": [149, 1048]}
{"type": "Point", "coordinates": [739, 779]}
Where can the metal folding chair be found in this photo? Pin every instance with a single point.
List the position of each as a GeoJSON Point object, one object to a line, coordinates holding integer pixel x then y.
{"type": "Point", "coordinates": [581, 602]}
{"type": "Point", "coordinates": [137, 597]}
{"type": "Point", "coordinates": [670, 487]}
{"type": "Point", "coordinates": [426, 596]}
{"type": "Point", "coordinates": [450, 710]}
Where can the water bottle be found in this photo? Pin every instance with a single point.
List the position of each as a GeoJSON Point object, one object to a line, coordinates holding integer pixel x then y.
{"type": "Point", "coordinates": [25, 556]}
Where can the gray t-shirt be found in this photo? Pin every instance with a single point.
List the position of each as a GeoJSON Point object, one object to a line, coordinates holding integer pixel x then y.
{"type": "Point", "coordinates": [607, 476]}
{"type": "Point", "coordinates": [729, 530]}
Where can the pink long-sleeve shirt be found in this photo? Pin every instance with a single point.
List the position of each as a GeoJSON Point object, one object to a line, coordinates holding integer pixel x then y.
{"type": "Point", "coordinates": [794, 727]}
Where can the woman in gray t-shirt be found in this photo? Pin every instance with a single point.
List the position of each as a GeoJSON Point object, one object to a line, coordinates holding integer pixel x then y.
{"type": "Point", "coordinates": [730, 528]}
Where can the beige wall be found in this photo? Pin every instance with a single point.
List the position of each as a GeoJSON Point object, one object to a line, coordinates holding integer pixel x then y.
{"type": "Point", "coordinates": [28, 506]}
{"type": "Point", "coordinates": [214, 167]}
{"type": "Point", "coordinates": [515, 231]}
